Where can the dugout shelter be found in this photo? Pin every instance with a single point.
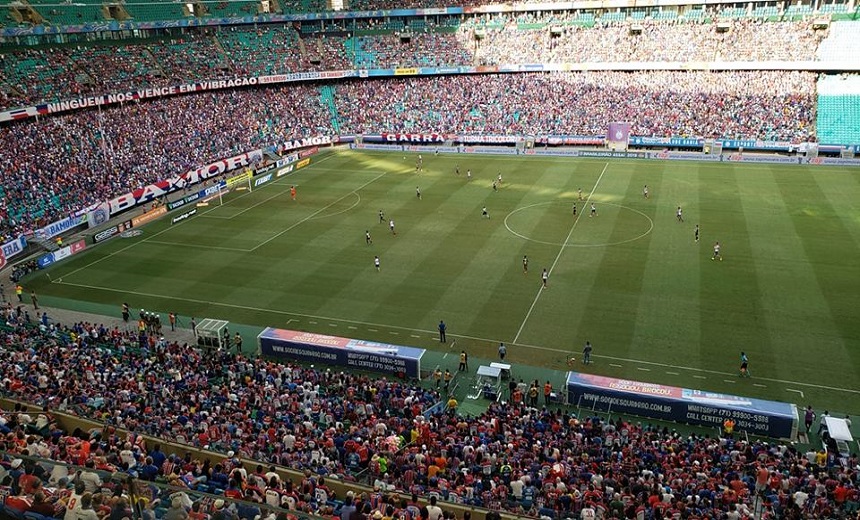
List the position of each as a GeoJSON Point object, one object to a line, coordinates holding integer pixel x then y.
{"type": "Point", "coordinates": [212, 334]}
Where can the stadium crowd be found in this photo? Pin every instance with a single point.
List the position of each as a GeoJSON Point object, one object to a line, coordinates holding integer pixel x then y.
{"type": "Point", "coordinates": [43, 75]}
{"type": "Point", "coordinates": [529, 461]}
{"type": "Point", "coordinates": [745, 40]}
{"type": "Point", "coordinates": [771, 105]}
{"type": "Point", "coordinates": [64, 163]}
{"type": "Point", "coordinates": [59, 164]}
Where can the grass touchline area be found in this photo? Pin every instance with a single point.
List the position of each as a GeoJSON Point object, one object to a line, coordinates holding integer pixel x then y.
{"type": "Point", "coordinates": [631, 280]}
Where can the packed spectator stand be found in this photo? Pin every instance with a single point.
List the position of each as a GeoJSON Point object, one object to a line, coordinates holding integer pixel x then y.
{"type": "Point", "coordinates": [332, 425]}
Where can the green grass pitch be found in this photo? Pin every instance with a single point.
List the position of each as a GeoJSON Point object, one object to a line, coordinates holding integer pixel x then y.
{"type": "Point", "coordinates": [631, 280]}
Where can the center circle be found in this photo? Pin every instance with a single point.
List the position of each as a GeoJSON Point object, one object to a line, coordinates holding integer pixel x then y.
{"type": "Point", "coordinates": [533, 223]}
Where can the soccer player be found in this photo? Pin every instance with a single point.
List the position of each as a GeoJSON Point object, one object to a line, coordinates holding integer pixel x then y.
{"type": "Point", "coordinates": [457, 170]}
{"type": "Point", "coordinates": [469, 174]}
{"type": "Point", "coordinates": [525, 264]}
{"type": "Point", "coordinates": [293, 192]}
{"type": "Point", "coordinates": [418, 192]}
{"type": "Point", "coordinates": [717, 252]}
{"type": "Point", "coordinates": [745, 372]}
{"type": "Point", "coordinates": [697, 233]}
{"type": "Point", "coordinates": [579, 190]}
{"type": "Point", "coordinates": [495, 186]}
{"type": "Point", "coordinates": [484, 212]}
{"type": "Point", "coordinates": [381, 217]}
{"type": "Point", "coordinates": [500, 178]}
{"type": "Point", "coordinates": [586, 353]}
{"type": "Point", "coordinates": [391, 227]}
{"type": "Point", "coordinates": [645, 191]}
{"type": "Point", "coordinates": [544, 276]}
{"type": "Point", "coordinates": [367, 238]}
{"type": "Point", "coordinates": [376, 263]}
{"type": "Point", "coordinates": [574, 209]}
{"type": "Point", "coordinates": [593, 211]}
{"type": "Point", "coordinates": [680, 214]}
{"type": "Point", "coordinates": [442, 329]}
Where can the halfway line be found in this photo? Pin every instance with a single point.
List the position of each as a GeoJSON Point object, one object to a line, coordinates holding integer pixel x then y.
{"type": "Point", "coordinates": [560, 251]}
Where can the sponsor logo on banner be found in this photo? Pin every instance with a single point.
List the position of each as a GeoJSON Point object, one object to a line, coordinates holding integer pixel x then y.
{"type": "Point", "coordinates": [406, 71]}
{"type": "Point", "coordinates": [148, 216]}
{"type": "Point", "coordinates": [211, 190]}
{"type": "Point", "coordinates": [285, 170]}
{"type": "Point", "coordinates": [105, 234]}
{"type": "Point", "coordinates": [184, 216]}
{"type": "Point", "coordinates": [320, 140]}
{"type": "Point", "coordinates": [413, 138]}
{"type": "Point", "coordinates": [622, 155]}
{"type": "Point", "coordinates": [13, 247]}
{"type": "Point", "coordinates": [265, 169]}
{"type": "Point", "coordinates": [262, 180]}
{"type": "Point", "coordinates": [309, 152]}
{"type": "Point", "coordinates": [78, 246]}
{"type": "Point", "coordinates": [293, 157]}
{"type": "Point", "coordinates": [163, 187]}
{"type": "Point", "coordinates": [99, 215]}
{"type": "Point", "coordinates": [63, 252]}
{"type": "Point", "coordinates": [303, 163]}
{"type": "Point", "coordinates": [131, 233]}
{"type": "Point", "coordinates": [60, 226]}
{"type": "Point", "coordinates": [495, 139]}
{"type": "Point", "coordinates": [45, 261]}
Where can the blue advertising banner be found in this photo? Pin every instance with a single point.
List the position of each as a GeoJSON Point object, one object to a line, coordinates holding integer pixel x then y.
{"type": "Point", "coordinates": [13, 247]}
{"type": "Point", "coordinates": [346, 352]}
{"type": "Point", "coordinates": [60, 226]}
{"type": "Point", "coordinates": [670, 403]}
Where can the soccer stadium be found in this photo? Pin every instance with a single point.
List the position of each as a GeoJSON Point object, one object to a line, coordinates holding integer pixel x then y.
{"type": "Point", "coordinates": [364, 259]}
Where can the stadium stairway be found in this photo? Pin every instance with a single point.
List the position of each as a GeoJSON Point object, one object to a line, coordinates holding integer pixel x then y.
{"type": "Point", "coordinates": [327, 99]}
{"type": "Point", "coordinates": [838, 114]}
{"type": "Point", "coordinates": [841, 43]}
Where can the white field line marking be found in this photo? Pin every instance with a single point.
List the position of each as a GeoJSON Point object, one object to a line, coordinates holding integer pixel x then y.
{"type": "Point", "coordinates": [558, 158]}
{"type": "Point", "coordinates": [200, 246]}
{"type": "Point", "coordinates": [147, 239]}
{"type": "Point", "coordinates": [317, 212]}
{"type": "Point", "coordinates": [615, 365]}
{"type": "Point", "coordinates": [557, 257]}
{"type": "Point", "coordinates": [432, 335]}
{"type": "Point", "coordinates": [732, 381]}
{"type": "Point", "coordinates": [643, 369]}
{"type": "Point", "coordinates": [257, 204]}
{"type": "Point", "coordinates": [798, 391]}
{"type": "Point", "coordinates": [673, 373]}
{"type": "Point", "coordinates": [759, 385]}
{"type": "Point", "coordinates": [352, 327]}
{"type": "Point", "coordinates": [203, 213]}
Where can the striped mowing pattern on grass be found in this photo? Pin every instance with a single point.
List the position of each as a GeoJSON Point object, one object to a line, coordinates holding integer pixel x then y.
{"type": "Point", "coordinates": [786, 292]}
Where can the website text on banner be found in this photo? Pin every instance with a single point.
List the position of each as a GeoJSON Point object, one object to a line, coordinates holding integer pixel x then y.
{"type": "Point", "coordinates": [671, 403]}
{"type": "Point", "coordinates": [332, 350]}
